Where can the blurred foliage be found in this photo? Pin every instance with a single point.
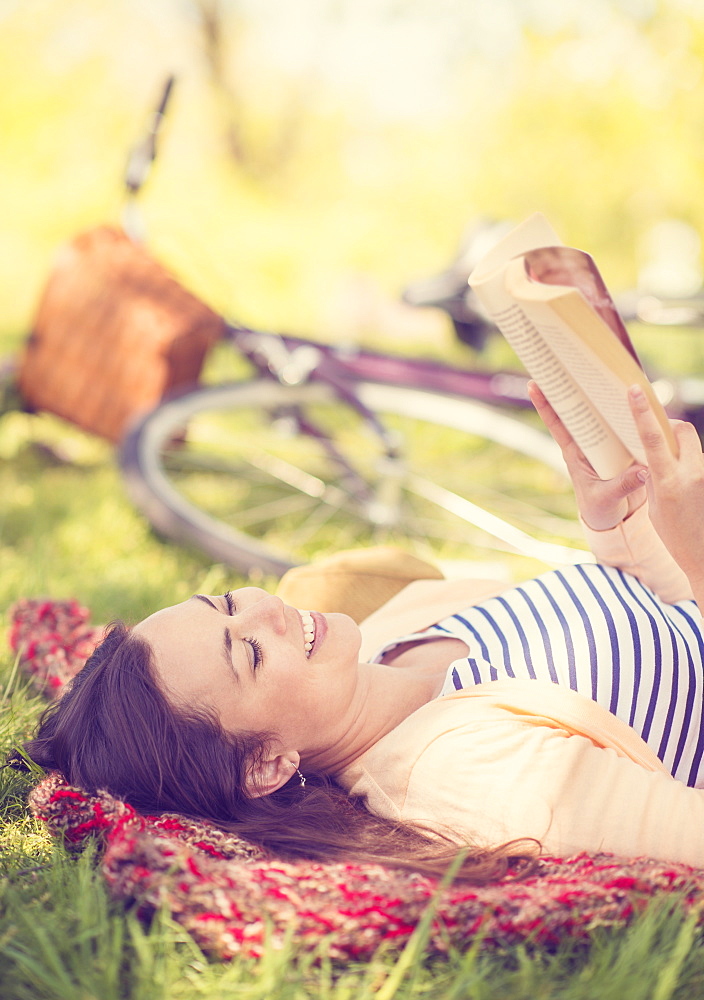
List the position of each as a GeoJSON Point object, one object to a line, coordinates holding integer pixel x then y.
{"type": "Point", "coordinates": [316, 159]}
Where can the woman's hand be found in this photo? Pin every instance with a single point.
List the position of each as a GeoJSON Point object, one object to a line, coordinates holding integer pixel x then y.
{"type": "Point", "coordinates": [602, 503]}
{"type": "Point", "coordinates": [675, 486]}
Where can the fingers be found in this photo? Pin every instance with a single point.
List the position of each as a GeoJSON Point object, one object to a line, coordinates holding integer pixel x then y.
{"type": "Point", "coordinates": [625, 487]}
{"type": "Point", "coordinates": [551, 420]}
{"type": "Point", "coordinates": [632, 479]}
{"type": "Point", "coordinates": [656, 449]}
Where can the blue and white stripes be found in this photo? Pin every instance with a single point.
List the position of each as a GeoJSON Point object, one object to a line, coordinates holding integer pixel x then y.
{"type": "Point", "coordinates": [605, 635]}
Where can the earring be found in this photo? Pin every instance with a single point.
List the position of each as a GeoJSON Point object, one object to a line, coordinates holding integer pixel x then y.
{"type": "Point", "coordinates": [301, 778]}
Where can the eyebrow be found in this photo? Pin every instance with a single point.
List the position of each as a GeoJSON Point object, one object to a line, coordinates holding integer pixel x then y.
{"type": "Point", "coordinates": [202, 597]}
{"type": "Point", "coordinates": [227, 640]}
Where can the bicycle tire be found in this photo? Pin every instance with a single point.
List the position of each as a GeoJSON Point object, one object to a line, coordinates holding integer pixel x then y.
{"type": "Point", "coordinates": [246, 416]}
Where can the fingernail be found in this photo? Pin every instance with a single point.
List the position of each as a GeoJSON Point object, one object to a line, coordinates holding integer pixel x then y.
{"type": "Point", "coordinates": [635, 392]}
{"type": "Point", "coordinates": [643, 475]}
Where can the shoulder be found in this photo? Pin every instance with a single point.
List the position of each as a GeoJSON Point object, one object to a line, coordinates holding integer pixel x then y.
{"type": "Point", "coordinates": [420, 604]}
{"type": "Point", "coordinates": [459, 766]}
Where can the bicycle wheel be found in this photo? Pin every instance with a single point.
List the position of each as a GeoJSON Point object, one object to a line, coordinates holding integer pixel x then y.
{"type": "Point", "coordinates": [262, 476]}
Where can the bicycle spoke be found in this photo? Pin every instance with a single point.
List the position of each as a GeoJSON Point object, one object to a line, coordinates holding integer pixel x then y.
{"type": "Point", "coordinates": [495, 526]}
{"type": "Point", "coordinates": [302, 481]}
{"type": "Point", "coordinates": [263, 513]}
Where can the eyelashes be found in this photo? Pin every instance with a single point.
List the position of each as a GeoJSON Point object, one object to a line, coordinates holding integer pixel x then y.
{"type": "Point", "coordinates": [257, 650]}
{"type": "Point", "coordinates": [254, 643]}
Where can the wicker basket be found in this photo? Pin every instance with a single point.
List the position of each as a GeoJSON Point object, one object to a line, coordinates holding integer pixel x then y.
{"type": "Point", "coordinates": [114, 333]}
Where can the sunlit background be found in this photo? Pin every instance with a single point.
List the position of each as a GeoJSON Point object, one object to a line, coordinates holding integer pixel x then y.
{"type": "Point", "coordinates": [319, 154]}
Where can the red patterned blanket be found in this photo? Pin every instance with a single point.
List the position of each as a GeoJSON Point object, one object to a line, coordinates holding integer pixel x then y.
{"type": "Point", "coordinates": [53, 639]}
{"type": "Point", "coordinates": [235, 899]}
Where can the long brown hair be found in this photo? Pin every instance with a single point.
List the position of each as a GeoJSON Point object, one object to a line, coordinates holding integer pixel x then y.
{"type": "Point", "coordinates": [114, 729]}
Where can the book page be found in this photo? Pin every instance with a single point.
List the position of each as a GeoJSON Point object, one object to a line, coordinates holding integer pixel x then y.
{"type": "Point", "coordinates": [606, 391]}
{"type": "Point", "coordinates": [563, 384]}
{"type": "Point", "coordinates": [601, 362]}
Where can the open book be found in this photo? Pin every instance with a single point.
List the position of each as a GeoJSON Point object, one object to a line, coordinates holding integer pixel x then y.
{"type": "Point", "coordinates": [553, 308]}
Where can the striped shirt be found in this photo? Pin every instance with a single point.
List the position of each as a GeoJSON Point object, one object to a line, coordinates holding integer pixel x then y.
{"type": "Point", "coordinates": [605, 635]}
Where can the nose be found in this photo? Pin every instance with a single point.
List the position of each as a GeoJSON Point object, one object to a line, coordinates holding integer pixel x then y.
{"type": "Point", "coordinates": [266, 610]}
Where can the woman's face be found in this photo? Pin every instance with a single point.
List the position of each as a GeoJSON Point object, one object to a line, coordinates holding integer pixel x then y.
{"type": "Point", "coordinates": [244, 654]}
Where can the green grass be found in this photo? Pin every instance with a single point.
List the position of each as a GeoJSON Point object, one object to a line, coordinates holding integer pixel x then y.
{"type": "Point", "coordinates": [67, 530]}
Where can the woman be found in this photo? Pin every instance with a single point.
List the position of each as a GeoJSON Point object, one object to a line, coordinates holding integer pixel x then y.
{"type": "Point", "coordinates": [222, 707]}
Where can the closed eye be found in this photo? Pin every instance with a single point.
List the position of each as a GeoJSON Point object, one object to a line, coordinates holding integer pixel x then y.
{"type": "Point", "coordinates": [254, 643]}
{"type": "Point", "coordinates": [257, 650]}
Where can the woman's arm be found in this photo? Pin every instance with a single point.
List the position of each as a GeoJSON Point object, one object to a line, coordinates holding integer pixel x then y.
{"type": "Point", "coordinates": [614, 515]}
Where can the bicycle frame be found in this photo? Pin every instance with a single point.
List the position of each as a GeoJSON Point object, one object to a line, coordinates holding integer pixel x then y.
{"type": "Point", "coordinates": [295, 359]}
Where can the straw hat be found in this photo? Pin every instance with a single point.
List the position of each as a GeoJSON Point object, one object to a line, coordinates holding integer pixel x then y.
{"type": "Point", "coordinates": [354, 581]}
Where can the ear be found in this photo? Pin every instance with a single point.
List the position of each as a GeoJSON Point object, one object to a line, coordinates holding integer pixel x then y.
{"type": "Point", "coordinates": [271, 773]}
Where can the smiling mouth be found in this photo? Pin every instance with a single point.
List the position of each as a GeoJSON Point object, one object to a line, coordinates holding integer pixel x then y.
{"type": "Point", "coordinates": [308, 631]}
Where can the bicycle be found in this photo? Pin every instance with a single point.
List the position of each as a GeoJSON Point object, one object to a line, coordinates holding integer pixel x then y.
{"type": "Point", "coordinates": [321, 436]}
{"type": "Point", "coordinates": [321, 446]}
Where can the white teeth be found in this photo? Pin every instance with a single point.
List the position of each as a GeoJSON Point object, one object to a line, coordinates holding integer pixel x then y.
{"type": "Point", "coordinates": [308, 630]}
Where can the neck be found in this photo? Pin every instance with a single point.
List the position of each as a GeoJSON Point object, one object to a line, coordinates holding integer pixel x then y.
{"type": "Point", "coordinates": [385, 696]}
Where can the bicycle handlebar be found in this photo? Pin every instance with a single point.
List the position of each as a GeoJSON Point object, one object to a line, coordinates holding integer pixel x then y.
{"type": "Point", "coordinates": [143, 153]}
